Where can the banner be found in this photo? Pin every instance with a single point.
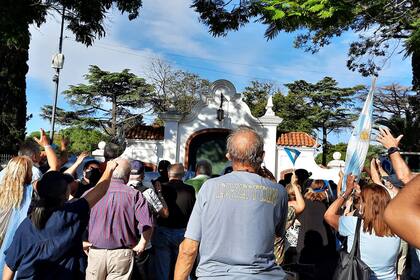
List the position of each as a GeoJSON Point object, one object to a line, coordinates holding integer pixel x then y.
{"type": "Point", "coordinates": [358, 145]}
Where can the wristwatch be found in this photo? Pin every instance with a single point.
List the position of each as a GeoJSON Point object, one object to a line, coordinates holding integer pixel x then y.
{"type": "Point", "coordinates": [393, 150]}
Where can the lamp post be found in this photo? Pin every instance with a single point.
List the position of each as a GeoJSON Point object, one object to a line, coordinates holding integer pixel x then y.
{"type": "Point", "coordinates": [57, 64]}
{"type": "Point", "coordinates": [220, 111]}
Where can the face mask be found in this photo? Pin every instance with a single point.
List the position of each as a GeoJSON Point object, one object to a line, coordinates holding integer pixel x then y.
{"type": "Point", "coordinates": [93, 175]}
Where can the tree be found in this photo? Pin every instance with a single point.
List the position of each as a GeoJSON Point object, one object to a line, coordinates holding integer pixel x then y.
{"type": "Point", "coordinates": [328, 106]}
{"type": "Point", "coordinates": [83, 18]}
{"type": "Point", "coordinates": [388, 22]}
{"type": "Point", "coordinates": [398, 108]}
{"type": "Point", "coordinates": [174, 89]}
{"type": "Point", "coordinates": [106, 101]}
{"type": "Point", "coordinates": [255, 96]}
{"type": "Point", "coordinates": [290, 107]}
{"type": "Point", "coordinates": [294, 110]}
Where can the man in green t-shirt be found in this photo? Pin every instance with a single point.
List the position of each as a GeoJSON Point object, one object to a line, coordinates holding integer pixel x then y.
{"type": "Point", "coordinates": [203, 172]}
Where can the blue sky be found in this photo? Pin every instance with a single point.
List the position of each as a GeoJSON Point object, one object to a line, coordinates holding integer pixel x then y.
{"type": "Point", "coordinates": [171, 30]}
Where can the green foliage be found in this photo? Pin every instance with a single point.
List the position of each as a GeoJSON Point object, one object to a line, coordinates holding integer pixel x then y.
{"type": "Point", "coordinates": [292, 108]}
{"type": "Point", "coordinates": [387, 22]}
{"type": "Point", "coordinates": [84, 18]}
{"type": "Point", "coordinates": [326, 106]}
{"type": "Point", "coordinates": [81, 139]}
{"type": "Point", "coordinates": [105, 102]}
{"type": "Point", "coordinates": [255, 96]}
{"type": "Point", "coordinates": [398, 108]}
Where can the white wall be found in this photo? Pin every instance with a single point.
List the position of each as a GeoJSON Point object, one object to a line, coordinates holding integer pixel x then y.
{"type": "Point", "coordinates": [306, 160]}
{"type": "Point", "coordinates": [150, 151]}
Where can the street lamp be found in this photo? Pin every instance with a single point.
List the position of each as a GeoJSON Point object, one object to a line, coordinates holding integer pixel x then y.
{"type": "Point", "coordinates": [57, 63]}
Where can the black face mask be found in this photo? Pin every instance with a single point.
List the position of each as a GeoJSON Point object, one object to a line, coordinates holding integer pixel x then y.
{"type": "Point", "coordinates": [93, 175]}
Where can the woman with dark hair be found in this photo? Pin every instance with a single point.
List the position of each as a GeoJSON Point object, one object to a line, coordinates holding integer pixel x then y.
{"type": "Point", "coordinates": [48, 244]}
{"type": "Point", "coordinates": [316, 241]}
{"type": "Point", "coordinates": [378, 246]}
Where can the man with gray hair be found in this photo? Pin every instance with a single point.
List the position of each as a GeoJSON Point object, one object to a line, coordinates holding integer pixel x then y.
{"type": "Point", "coordinates": [120, 226]}
{"type": "Point", "coordinates": [170, 231]}
{"type": "Point", "coordinates": [203, 172]}
{"type": "Point", "coordinates": [236, 218]}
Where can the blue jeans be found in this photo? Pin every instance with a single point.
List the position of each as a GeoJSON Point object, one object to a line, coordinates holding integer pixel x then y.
{"type": "Point", "coordinates": [165, 242]}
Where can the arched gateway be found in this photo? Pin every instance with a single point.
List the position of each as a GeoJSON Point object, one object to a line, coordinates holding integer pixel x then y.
{"type": "Point", "coordinates": [202, 133]}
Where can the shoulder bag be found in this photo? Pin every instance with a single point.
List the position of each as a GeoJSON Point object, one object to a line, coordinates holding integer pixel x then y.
{"type": "Point", "coordinates": [350, 265]}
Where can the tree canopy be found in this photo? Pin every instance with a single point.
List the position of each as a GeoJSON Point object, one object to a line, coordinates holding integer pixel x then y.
{"type": "Point", "coordinates": [174, 88]}
{"type": "Point", "coordinates": [84, 18]}
{"type": "Point", "coordinates": [381, 25]}
{"type": "Point", "coordinates": [106, 101]}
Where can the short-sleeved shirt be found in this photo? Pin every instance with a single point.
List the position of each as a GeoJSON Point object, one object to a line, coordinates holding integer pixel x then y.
{"type": "Point", "coordinates": [180, 199]}
{"type": "Point", "coordinates": [54, 252]}
{"type": "Point", "coordinates": [235, 219]}
{"type": "Point", "coordinates": [379, 253]}
{"type": "Point", "coordinates": [197, 181]}
{"type": "Point", "coordinates": [119, 217]}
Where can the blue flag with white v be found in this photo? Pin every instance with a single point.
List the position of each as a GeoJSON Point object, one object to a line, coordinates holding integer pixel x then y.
{"type": "Point", "coordinates": [358, 145]}
{"type": "Point", "coordinates": [293, 154]}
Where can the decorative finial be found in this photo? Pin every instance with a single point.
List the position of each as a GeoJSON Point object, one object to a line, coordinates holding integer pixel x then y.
{"type": "Point", "coordinates": [269, 107]}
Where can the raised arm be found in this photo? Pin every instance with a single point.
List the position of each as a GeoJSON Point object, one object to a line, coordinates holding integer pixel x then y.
{"type": "Point", "coordinates": [331, 215]}
{"type": "Point", "coordinates": [403, 213]}
{"type": "Point", "coordinates": [52, 159]}
{"type": "Point", "coordinates": [102, 186]}
{"type": "Point", "coordinates": [72, 169]}
{"type": "Point", "coordinates": [400, 166]}
{"type": "Point", "coordinates": [299, 204]}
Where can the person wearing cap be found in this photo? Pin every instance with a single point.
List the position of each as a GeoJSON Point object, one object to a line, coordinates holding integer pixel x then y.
{"type": "Point", "coordinates": [48, 243]}
{"type": "Point", "coordinates": [16, 190]}
{"type": "Point", "coordinates": [120, 226]}
{"type": "Point", "coordinates": [157, 206]}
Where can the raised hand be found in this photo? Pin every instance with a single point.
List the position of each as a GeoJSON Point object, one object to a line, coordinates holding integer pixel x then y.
{"type": "Point", "coordinates": [82, 156]}
{"type": "Point", "coordinates": [294, 179]}
{"type": "Point", "coordinates": [386, 139]}
{"type": "Point", "coordinates": [374, 173]}
{"type": "Point", "coordinates": [43, 140]}
{"type": "Point", "coordinates": [111, 165]}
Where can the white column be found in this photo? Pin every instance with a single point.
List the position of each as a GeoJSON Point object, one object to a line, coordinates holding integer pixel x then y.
{"type": "Point", "coordinates": [170, 142]}
{"type": "Point", "coordinates": [270, 122]}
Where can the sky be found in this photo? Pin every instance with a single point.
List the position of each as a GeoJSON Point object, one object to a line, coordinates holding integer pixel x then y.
{"type": "Point", "coordinates": [171, 30]}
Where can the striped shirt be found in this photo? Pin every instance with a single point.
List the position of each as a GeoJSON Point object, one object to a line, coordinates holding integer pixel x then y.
{"type": "Point", "coordinates": [119, 218]}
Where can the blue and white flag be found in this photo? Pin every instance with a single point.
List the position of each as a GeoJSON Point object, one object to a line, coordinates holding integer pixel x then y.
{"type": "Point", "coordinates": [358, 145]}
{"type": "Point", "coordinates": [293, 154]}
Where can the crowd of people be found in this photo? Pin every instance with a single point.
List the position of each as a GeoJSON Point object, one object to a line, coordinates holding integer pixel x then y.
{"type": "Point", "coordinates": [112, 224]}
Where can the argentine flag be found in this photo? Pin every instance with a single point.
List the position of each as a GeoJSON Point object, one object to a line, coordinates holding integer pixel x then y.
{"type": "Point", "coordinates": [358, 145]}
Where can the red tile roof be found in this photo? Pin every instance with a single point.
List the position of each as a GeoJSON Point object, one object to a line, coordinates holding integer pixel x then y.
{"type": "Point", "coordinates": [145, 132]}
{"type": "Point", "coordinates": [296, 139]}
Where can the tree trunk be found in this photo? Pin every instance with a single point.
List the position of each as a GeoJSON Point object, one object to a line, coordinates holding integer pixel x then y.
{"type": "Point", "coordinates": [415, 65]}
{"type": "Point", "coordinates": [324, 146]}
{"type": "Point", "coordinates": [14, 46]}
{"type": "Point", "coordinates": [114, 117]}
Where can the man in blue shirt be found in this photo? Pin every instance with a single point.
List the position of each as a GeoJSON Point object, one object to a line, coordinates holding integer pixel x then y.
{"type": "Point", "coordinates": [235, 219]}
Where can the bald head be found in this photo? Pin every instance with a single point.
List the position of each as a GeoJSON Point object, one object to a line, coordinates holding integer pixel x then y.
{"type": "Point", "coordinates": [176, 171]}
{"type": "Point", "coordinates": [245, 146]}
{"type": "Point", "coordinates": [123, 170]}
